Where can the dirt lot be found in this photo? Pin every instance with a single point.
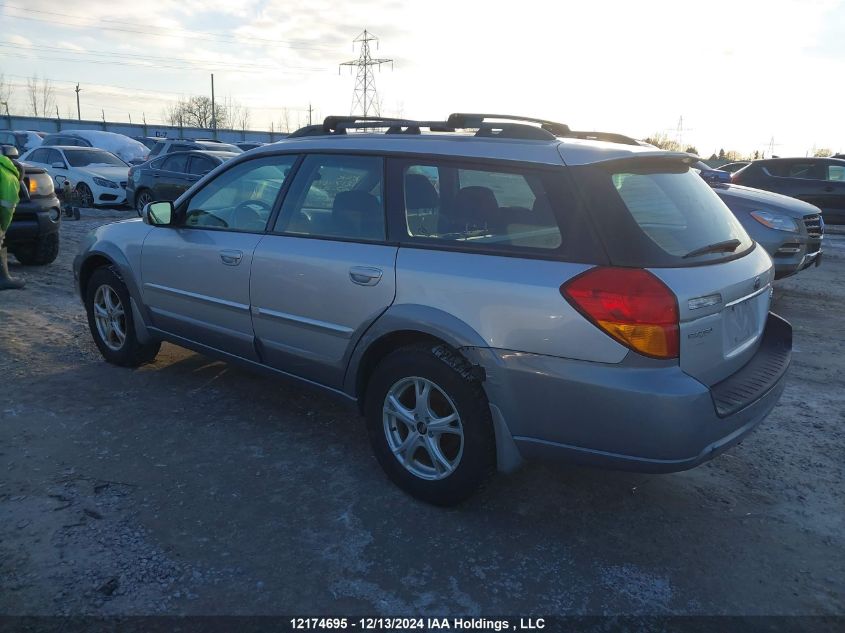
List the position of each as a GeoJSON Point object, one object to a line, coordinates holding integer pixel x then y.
{"type": "Point", "coordinates": [191, 487]}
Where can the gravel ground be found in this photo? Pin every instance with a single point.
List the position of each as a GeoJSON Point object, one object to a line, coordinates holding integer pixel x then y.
{"type": "Point", "coordinates": [193, 487]}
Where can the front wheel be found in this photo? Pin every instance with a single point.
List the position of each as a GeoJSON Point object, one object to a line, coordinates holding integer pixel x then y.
{"type": "Point", "coordinates": [429, 424]}
{"type": "Point", "coordinates": [111, 322]}
{"type": "Point", "coordinates": [86, 197]}
{"type": "Point", "coordinates": [41, 252]}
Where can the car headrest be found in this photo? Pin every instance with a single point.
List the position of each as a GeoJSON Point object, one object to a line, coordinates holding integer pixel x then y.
{"type": "Point", "coordinates": [420, 193]}
{"type": "Point", "coordinates": [358, 214]}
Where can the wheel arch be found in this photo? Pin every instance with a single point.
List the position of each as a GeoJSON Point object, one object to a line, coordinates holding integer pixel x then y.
{"type": "Point", "coordinates": [401, 326]}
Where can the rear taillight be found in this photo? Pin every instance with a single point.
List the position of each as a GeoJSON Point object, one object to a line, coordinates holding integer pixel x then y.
{"type": "Point", "coordinates": [631, 305]}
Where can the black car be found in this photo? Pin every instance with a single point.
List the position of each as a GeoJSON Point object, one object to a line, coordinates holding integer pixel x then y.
{"type": "Point", "coordinates": [166, 177]}
{"type": "Point", "coordinates": [248, 145]}
{"type": "Point", "coordinates": [33, 235]}
{"type": "Point", "coordinates": [170, 145]}
{"type": "Point", "coordinates": [819, 181]}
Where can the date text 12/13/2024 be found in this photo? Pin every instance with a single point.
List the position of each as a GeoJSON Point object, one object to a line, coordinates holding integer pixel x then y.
{"type": "Point", "coordinates": [421, 624]}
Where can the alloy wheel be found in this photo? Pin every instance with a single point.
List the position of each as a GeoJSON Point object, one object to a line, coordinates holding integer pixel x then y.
{"type": "Point", "coordinates": [110, 317]}
{"type": "Point", "coordinates": [423, 428]}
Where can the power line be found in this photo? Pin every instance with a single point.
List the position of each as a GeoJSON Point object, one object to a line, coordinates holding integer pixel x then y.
{"type": "Point", "coordinates": [151, 31]}
{"type": "Point", "coordinates": [364, 95]}
{"type": "Point", "coordinates": [134, 56]}
{"type": "Point", "coordinates": [35, 54]}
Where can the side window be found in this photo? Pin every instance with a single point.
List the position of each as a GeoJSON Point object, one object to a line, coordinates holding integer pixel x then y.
{"type": "Point", "coordinates": [39, 156]}
{"type": "Point", "coordinates": [201, 165]}
{"type": "Point", "coordinates": [336, 196]}
{"type": "Point", "coordinates": [241, 198]}
{"type": "Point", "coordinates": [54, 156]}
{"type": "Point", "coordinates": [157, 163]}
{"type": "Point", "coordinates": [177, 163]}
{"type": "Point", "coordinates": [836, 172]}
{"type": "Point", "coordinates": [482, 207]}
{"type": "Point", "coordinates": [802, 170]}
{"type": "Point", "coordinates": [157, 149]}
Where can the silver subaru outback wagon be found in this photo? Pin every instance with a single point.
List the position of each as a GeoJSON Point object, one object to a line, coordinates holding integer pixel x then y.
{"type": "Point", "coordinates": [487, 288]}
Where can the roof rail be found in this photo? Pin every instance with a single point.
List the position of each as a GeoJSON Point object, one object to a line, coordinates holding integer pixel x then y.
{"type": "Point", "coordinates": [610, 137]}
{"type": "Point", "coordinates": [512, 127]}
{"type": "Point", "coordinates": [478, 120]}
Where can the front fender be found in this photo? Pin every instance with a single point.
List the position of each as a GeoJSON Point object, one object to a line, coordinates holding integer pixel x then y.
{"type": "Point", "coordinates": [119, 244]}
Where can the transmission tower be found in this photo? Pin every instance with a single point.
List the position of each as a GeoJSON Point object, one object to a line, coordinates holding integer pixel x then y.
{"type": "Point", "coordinates": [365, 97]}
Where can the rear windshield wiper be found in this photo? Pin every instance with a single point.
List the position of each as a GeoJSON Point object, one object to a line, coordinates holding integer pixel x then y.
{"type": "Point", "coordinates": [728, 246]}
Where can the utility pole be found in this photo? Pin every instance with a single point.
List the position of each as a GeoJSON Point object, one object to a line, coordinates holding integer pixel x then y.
{"type": "Point", "coordinates": [130, 118]}
{"type": "Point", "coordinates": [309, 113]}
{"type": "Point", "coordinates": [364, 96]}
{"type": "Point", "coordinates": [78, 110]}
{"type": "Point", "coordinates": [213, 113]}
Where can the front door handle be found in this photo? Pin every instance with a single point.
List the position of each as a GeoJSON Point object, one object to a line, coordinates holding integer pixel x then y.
{"type": "Point", "coordinates": [365, 275]}
{"type": "Point", "coordinates": [231, 258]}
{"type": "Point", "coordinates": [829, 188]}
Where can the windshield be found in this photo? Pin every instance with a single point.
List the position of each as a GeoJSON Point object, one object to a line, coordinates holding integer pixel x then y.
{"type": "Point", "coordinates": [85, 157]}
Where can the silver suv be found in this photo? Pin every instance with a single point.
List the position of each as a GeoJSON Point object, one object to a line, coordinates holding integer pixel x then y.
{"type": "Point", "coordinates": [486, 291]}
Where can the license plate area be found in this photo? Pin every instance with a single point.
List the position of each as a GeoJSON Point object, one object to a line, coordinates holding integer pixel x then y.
{"type": "Point", "coordinates": [740, 325]}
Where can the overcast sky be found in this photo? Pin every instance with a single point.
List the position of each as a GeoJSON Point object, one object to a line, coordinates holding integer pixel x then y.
{"type": "Point", "coordinates": [738, 72]}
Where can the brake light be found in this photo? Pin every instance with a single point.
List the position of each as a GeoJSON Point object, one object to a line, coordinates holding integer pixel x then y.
{"type": "Point", "coordinates": [629, 304]}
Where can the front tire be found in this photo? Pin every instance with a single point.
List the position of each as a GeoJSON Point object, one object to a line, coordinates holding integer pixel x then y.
{"type": "Point", "coordinates": [41, 252]}
{"type": "Point", "coordinates": [429, 424]}
{"type": "Point", "coordinates": [86, 197]}
{"type": "Point", "coordinates": [111, 321]}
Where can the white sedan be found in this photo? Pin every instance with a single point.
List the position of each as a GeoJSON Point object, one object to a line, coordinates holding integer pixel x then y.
{"type": "Point", "coordinates": [99, 177]}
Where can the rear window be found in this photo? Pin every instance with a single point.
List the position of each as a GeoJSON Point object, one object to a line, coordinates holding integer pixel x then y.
{"type": "Point", "coordinates": [656, 213]}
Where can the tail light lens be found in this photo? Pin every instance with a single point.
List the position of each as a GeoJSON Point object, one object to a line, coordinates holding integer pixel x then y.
{"type": "Point", "coordinates": [629, 304]}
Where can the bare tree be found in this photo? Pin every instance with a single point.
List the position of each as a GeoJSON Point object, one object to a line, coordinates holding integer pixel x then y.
{"type": "Point", "coordinates": [5, 94]}
{"type": "Point", "coordinates": [284, 123]}
{"type": "Point", "coordinates": [41, 97]}
{"type": "Point", "coordinates": [196, 112]}
{"type": "Point", "coordinates": [662, 140]}
{"type": "Point", "coordinates": [234, 115]}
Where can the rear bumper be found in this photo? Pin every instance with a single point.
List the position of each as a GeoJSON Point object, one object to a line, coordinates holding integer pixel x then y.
{"type": "Point", "coordinates": [642, 418]}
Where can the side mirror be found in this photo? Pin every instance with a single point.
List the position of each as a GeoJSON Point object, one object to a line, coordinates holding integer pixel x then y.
{"type": "Point", "coordinates": [158, 214]}
{"type": "Point", "coordinates": [10, 151]}
{"type": "Point", "coordinates": [58, 165]}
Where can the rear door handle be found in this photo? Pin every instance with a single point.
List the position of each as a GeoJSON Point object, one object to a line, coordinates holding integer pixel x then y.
{"type": "Point", "coordinates": [231, 258]}
{"type": "Point", "coordinates": [365, 275]}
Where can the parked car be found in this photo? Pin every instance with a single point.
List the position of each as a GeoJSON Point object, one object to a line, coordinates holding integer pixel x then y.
{"type": "Point", "coordinates": [166, 146]}
{"type": "Point", "coordinates": [98, 177]}
{"type": "Point", "coordinates": [248, 145]}
{"type": "Point", "coordinates": [168, 177]}
{"type": "Point", "coordinates": [148, 141]}
{"type": "Point", "coordinates": [790, 230]}
{"type": "Point", "coordinates": [23, 140]}
{"type": "Point", "coordinates": [33, 235]}
{"type": "Point", "coordinates": [819, 181]}
{"type": "Point", "coordinates": [736, 166]}
{"type": "Point", "coordinates": [127, 149]}
{"type": "Point", "coordinates": [483, 299]}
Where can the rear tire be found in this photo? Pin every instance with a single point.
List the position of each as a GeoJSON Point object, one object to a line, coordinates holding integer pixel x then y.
{"type": "Point", "coordinates": [439, 465]}
{"type": "Point", "coordinates": [41, 252]}
{"type": "Point", "coordinates": [142, 198]}
{"type": "Point", "coordinates": [111, 321]}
